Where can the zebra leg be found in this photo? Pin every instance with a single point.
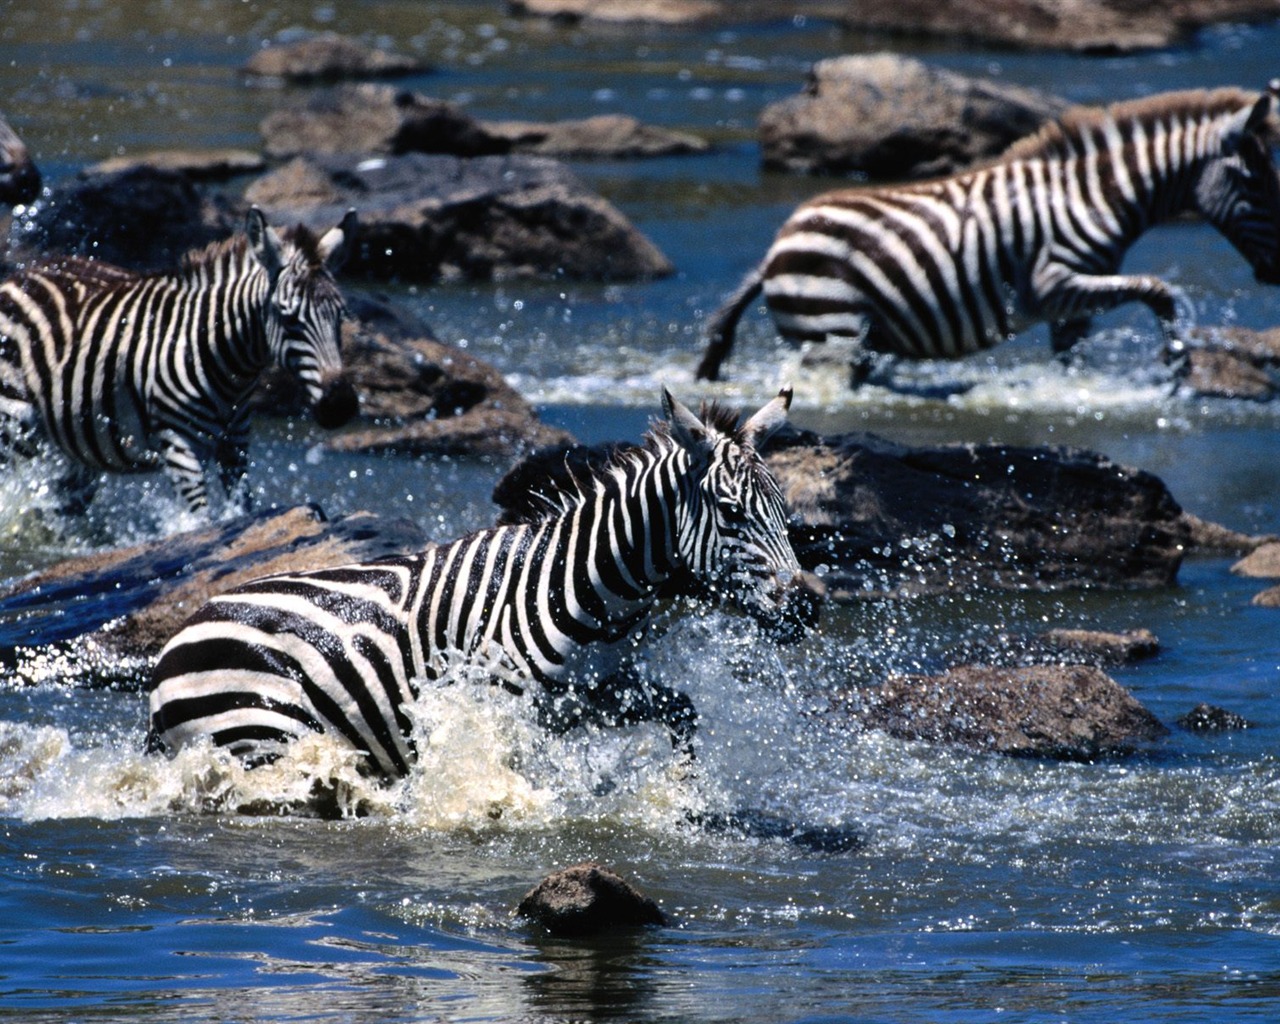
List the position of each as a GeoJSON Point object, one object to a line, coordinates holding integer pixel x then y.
{"type": "Point", "coordinates": [185, 470]}
{"type": "Point", "coordinates": [1065, 334]}
{"type": "Point", "coordinates": [620, 700]}
{"type": "Point", "coordinates": [76, 488]}
{"type": "Point", "coordinates": [232, 456]}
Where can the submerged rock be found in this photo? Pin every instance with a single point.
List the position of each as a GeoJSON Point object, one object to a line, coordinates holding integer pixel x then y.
{"type": "Point", "coordinates": [123, 605]}
{"type": "Point", "coordinates": [1211, 718]}
{"type": "Point", "coordinates": [327, 57]}
{"type": "Point", "coordinates": [1058, 646]}
{"type": "Point", "coordinates": [1066, 712]}
{"type": "Point", "coordinates": [587, 899]}
{"type": "Point", "coordinates": [425, 217]}
{"type": "Point", "coordinates": [887, 116]}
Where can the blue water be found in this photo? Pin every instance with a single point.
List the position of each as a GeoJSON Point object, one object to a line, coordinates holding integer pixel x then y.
{"type": "Point", "coordinates": [988, 889]}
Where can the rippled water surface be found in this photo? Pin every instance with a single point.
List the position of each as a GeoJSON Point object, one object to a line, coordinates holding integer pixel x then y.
{"type": "Point", "coordinates": [1140, 889]}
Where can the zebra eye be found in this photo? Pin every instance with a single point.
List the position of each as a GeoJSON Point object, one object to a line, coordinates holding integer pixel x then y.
{"type": "Point", "coordinates": [732, 511]}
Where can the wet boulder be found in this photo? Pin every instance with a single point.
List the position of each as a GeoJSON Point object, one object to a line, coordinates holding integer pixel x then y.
{"type": "Point", "coordinates": [327, 57]}
{"type": "Point", "coordinates": [662, 12]}
{"type": "Point", "coordinates": [588, 899]}
{"type": "Point", "coordinates": [369, 118]}
{"type": "Point", "coordinates": [19, 178]}
{"type": "Point", "coordinates": [1063, 712]}
{"type": "Point", "coordinates": [602, 137]}
{"type": "Point", "coordinates": [1209, 718]}
{"type": "Point", "coordinates": [196, 164]}
{"type": "Point", "coordinates": [426, 217]}
{"type": "Point", "coordinates": [888, 518]}
{"type": "Point", "coordinates": [886, 116]}
{"type": "Point", "coordinates": [1263, 562]}
{"type": "Point", "coordinates": [418, 395]}
{"type": "Point", "coordinates": [100, 619]}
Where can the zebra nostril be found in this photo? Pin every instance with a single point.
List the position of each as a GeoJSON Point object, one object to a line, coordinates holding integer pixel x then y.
{"type": "Point", "coordinates": [337, 405]}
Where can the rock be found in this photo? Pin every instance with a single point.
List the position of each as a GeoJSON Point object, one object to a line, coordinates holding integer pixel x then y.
{"type": "Point", "coordinates": [19, 178]}
{"type": "Point", "coordinates": [369, 119]}
{"type": "Point", "coordinates": [327, 56]}
{"type": "Point", "coordinates": [587, 899]}
{"type": "Point", "coordinates": [1259, 347]}
{"type": "Point", "coordinates": [1263, 562]}
{"type": "Point", "coordinates": [1210, 718]}
{"type": "Point", "coordinates": [603, 137]}
{"type": "Point", "coordinates": [1269, 598]}
{"type": "Point", "coordinates": [1066, 712]}
{"type": "Point", "coordinates": [663, 12]}
{"type": "Point", "coordinates": [123, 605]}
{"type": "Point", "coordinates": [198, 165]}
{"type": "Point", "coordinates": [425, 217]}
{"type": "Point", "coordinates": [887, 116]}
{"type": "Point", "coordinates": [1212, 538]}
{"type": "Point", "coordinates": [886, 518]}
{"type": "Point", "coordinates": [1059, 646]}
{"type": "Point", "coordinates": [483, 431]}
{"type": "Point", "coordinates": [1221, 374]}
{"type": "Point", "coordinates": [144, 218]}
{"type": "Point", "coordinates": [877, 518]}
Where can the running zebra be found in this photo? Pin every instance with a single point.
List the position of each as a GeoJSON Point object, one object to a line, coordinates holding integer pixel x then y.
{"type": "Point", "coordinates": [547, 600]}
{"type": "Point", "coordinates": [128, 372]}
{"type": "Point", "coordinates": [945, 268]}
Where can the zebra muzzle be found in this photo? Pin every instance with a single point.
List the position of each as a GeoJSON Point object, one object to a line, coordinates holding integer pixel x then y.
{"type": "Point", "coordinates": [799, 608]}
{"type": "Point", "coordinates": [337, 404]}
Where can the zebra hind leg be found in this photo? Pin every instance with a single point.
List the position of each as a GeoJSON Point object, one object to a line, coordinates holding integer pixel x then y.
{"type": "Point", "coordinates": [623, 700]}
{"type": "Point", "coordinates": [76, 489]}
{"type": "Point", "coordinates": [1064, 335]}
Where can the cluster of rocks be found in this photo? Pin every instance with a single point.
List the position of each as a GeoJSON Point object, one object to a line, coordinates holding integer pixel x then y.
{"type": "Point", "coordinates": [1083, 25]}
{"type": "Point", "coordinates": [1263, 562]}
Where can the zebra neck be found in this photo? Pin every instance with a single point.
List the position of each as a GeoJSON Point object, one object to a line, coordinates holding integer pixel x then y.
{"type": "Point", "coordinates": [231, 289]}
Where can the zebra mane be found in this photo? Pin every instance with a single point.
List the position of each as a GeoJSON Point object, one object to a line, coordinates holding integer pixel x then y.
{"type": "Point", "coordinates": [1065, 136]}
{"type": "Point", "coordinates": [236, 246]}
{"type": "Point", "coordinates": [555, 482]}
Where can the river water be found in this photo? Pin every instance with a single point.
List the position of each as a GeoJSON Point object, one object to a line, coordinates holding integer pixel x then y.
{"type": "Point", "coordinates": [1146, 888]}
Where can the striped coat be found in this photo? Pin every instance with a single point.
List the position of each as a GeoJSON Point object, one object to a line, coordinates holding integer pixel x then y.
{"type": "Point", "coordinates": [942, 269]}
{"type": "Point", "coordinates": [127, 372]}
{"type": "Point", "coordinates": [545, 603]}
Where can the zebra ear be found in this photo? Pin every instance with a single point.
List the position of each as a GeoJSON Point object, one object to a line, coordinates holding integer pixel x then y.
{"type": "Point", "coordinates": [335, 245]}
{"type": "Point", "coordinates": [688, 431]}
{"type": "Point", "coordinates": [1250, 120]}
{"type": "Point", "coordinates": [264, 243]}
{"type": "Point", "coordinates": [764, 423]}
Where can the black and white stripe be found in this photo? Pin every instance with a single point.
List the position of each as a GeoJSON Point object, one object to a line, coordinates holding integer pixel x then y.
{"type": "Point", "coordinates": [945, 268]}
{"type": "Point", "coordinates": [546, 601]}
{"type": "Point", "coordinates": [128, 372]}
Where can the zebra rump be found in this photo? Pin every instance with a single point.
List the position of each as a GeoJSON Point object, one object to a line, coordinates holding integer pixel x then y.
{"type": "Point", "coordinates": [547, 602]}
{"type": "Point", "coordinates": [946, 268]}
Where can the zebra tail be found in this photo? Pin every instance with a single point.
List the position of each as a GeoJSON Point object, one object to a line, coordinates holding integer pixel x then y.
{"type": "Point", "coordinates": [724, 323]}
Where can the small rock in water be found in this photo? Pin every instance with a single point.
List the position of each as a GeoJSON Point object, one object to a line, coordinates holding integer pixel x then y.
{"type": "Point", "coordinates": [1211, 718]}
{"type": "Point", "coordinates": [587, 899]}
{"type": "Point", "coordinates": [1059, 646]}
{"type": "Point", "coordinates": [1263, 562]}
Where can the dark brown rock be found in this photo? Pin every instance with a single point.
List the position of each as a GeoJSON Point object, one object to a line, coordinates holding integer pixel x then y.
{"type": "Point", "coordinates": [886, 518]}
{"type": "Point", "coordinates": [1067, 712]}
{"type": "Point", "coordinates": [603, 137]}
{"type": "Point", "coordinates": [1213, 538]}
{"type": "Point", "coordinates": [118, 608]}
{"type": "Point", "coordinates": [891, 117]}
{"type": "Point", "coordinates": [1259, 347]}
{"type": "Point", "coordinates": [196, 164]}
{"type": "Point", "coordinates": [1222, 374]}
{"type": "Point", "coordinates": [1059, 646]}
{"type": "Point", "coordinates": [326, 57]}
{"type": "Point", "coordinates": [19, 178]}
{"type": "Point", "coordinates": [369, 119]}
{"type": "Point", "coordinates": [587, 899]}
{"type": "Point", "coordinates": [1211, 718]}
{"type": "Point", "coordinates": [1263, 562]}
{"type": "Point", "coordinates": [425, 217]}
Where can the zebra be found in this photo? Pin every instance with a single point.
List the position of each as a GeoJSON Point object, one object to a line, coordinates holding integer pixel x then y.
{"type": "Point", "coordinates": [945, 268]}
{"type": "Point", "coordinates": [546, 601]}
{"type": "Point", "coordinates": [127, 372]}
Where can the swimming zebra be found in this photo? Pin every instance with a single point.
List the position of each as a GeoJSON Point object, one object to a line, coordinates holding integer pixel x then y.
{"type": "Point", "coordinates": [128, 372]}
{"type": "Point", "coordinates": [945, 268]}
{"type": "Point", "coordinates": [543, 602]}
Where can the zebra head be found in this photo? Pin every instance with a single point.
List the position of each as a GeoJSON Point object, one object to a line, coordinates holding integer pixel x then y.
{"type": "Point", "coordinates": [1239, 191]}
{"type": "Point", "coordinates": [732, 524]}
{"type": "Point", "coordinates": [304, 310]}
